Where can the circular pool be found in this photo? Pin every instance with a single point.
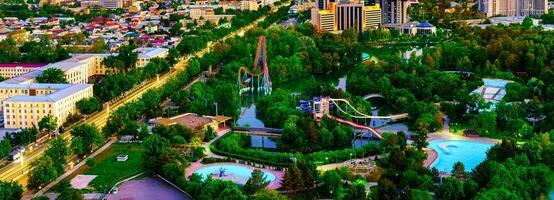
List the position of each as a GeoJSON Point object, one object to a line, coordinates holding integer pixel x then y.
{"type": "Point", "coordinates": [236, 173]}
{"type": "Point", "coordinates": [470, 153]}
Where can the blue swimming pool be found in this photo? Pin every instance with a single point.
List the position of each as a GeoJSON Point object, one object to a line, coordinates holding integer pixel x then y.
{"type": "Point", "coordinates": [236, 173]}
{"type": "Point", "coordinates": [471, 153]}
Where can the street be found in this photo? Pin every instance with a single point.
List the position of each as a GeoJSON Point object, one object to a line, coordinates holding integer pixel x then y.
{"type": "Point", "coordinates": [18, 170]}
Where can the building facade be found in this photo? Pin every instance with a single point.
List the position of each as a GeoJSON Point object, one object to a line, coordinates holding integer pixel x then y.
{"type": "Point", "coordinates": [349, 16]}
{"type": "Point", "coordinates": [111, 4]}
{"type": "Point", "coordinates": [25, 102]}
{"type": "Point", "coordinates": [372, 16]}
{"type": "Point", "coordinates": [340, 16]}
{"type": "Point", "coordinates": [394, 11]}
{"type": "Point", "coordinates": [251, 5]}
{"type": "Point", "coordinates": [513, 7]}
{"type": "Point", "coordinates": [36, 101]}
{"type": "Point", "coordinates": [10, 70]}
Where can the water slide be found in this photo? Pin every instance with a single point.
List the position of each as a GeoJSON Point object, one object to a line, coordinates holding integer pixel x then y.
{"type": "Point", "coordinates": [357, 126]}
{"type": "Point", "coordinates": [361, 115]}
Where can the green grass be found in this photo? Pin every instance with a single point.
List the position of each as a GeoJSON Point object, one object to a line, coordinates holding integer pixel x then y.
{"type": "Point", "coordinates": [109, 171]}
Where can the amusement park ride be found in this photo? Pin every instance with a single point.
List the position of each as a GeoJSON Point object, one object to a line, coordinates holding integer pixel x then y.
{"type": "Point", "coordinates": [249, 80]}
{"type": "Point", "coordinates": [320, 106]}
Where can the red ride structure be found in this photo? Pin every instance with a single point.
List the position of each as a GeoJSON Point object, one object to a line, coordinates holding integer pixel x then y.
{"type": "Point", "coordinates": [249, 80]}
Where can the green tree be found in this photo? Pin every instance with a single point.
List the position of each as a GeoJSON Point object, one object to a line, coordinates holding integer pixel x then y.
{"type": "Point", "coordinates": [58, 150]}
{"type": "Point", "coordinates": [70, 194]}
{"type": "Point", "coordinates": [52, 75]}
{"type": "Point", "coordinates": [333, 183]}
{"type": "Point", "coordinates": [497, 193]}
{"type": "Point", "coordinates": [10, 190]}
{"type": "Point", "coordinates": [420, 140]}
{"type": "Point", "coordinates": [88, 106]}
{"type": "Point", "coordinates": [86, 137]}
{"type": "Point", "coordinates": [458, 170]}
{"type": "Point", "coordinates": [220, 190]}
{"type": "Point", "coordinates": [266, 194]}
{"type": "Point", "coordinates": [43, 170]}
{"type": "Point", "coordinates": [256, 182]}
{"type": "Point", "coordinates": [48, 124]}
{"type": "Point", "coordinates": [5, 147]}
{"type": "Point", "coordinates": [291, 180]}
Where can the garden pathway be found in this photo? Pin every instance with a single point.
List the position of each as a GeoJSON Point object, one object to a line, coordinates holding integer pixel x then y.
{"type": "Point", "coordinates": [67, 173]}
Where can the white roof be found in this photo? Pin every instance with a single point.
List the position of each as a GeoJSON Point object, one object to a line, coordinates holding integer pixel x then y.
{"type": "Point", "coordinates": [149, 52]}
{"type": "Point", "coordinates": [53, 97]}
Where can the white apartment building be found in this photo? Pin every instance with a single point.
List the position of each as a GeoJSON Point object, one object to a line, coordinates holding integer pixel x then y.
{"type": "Point", "coordinates": [40, 100]}
{"type": "Point", "coordinates": [251, 5]}
{"type": "Point", "coordinates": [513, 7]}
{"type": "Point", "coordinates": [25, 102]}
{"type": "Point", "coordinates": [10, 70]}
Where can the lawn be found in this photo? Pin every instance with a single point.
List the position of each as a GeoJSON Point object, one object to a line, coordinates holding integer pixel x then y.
{"type": "Point", "coordinates": [109, 171]}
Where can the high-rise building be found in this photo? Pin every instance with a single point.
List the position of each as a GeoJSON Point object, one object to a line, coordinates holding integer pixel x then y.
{"type": "Point", "coordinates": [513, 7]}
{"type": "Point", "coordinates": [349, 16]}
{"type": "Point", "coordinates": [372, 16]}
{"type": "Point", "coordinates": [394, 11]}
{"type": "Point", "coordinates": [323, 20]}
{"type": "Point", "coordinates": [322, 4]}
{"type": "Point", "coordinates": [339, 16]}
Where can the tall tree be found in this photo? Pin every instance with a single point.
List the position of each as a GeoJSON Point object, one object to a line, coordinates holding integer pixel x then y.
{"type": "Point", "coordinates": [43, 170]}
{"type": "Point", "coordinates": [48, 124]}
{"type": "Point", "coordinates": [86, 137]}
{"type": "Point", "coordinates": [52, 75]}
{"type": "Point", "coordinates": [58, 151]}
{"type": "Point", "coordinates": [256, 182]}
{"type": "Point", "coordinates": [10, 190]}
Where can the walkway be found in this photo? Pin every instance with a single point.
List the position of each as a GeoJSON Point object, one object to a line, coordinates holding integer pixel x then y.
{"type": "Point", "coordinates": [75, 168]}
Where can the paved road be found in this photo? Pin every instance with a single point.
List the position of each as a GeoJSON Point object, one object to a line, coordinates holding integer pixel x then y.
{"type": "Point", "coordinates": [17, 171]}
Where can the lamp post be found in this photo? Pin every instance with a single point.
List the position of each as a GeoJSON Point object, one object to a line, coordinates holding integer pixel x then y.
{"type": "Point", "coordinates": [215, 104]}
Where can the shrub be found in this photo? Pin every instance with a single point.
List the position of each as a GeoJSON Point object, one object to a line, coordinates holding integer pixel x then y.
{"type": "Point", "coordinates": [90, 162]}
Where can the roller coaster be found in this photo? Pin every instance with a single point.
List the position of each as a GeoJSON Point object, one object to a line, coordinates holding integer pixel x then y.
{"type": "Point", "coordinates": [320, 107]}
{"type": "Point", "coordinates": [249, 80]}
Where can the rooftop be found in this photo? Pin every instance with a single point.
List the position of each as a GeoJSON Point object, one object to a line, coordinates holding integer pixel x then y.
{"type": "Point", "coordinates": [190, 120]}
{"type": "Point", "coordinates": [23, 65]}
{"type": "Point", "coordinates": [64, 90]}
{"type": "Point", "coordinates": [149, 52]}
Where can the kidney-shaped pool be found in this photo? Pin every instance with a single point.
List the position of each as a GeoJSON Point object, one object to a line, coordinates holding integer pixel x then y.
{"type": "Point", "coordinates": [236, 173]}
{"type": "Point", "coordinates": [470, 153]}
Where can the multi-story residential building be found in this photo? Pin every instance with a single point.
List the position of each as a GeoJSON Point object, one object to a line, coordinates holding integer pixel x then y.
{"type": "Point", "coordinates": [513, 7]}
{"type": "Point", "coordinates": [394, 11]}
{"type": "Point", "coordinates": [80, 67]}
{"type": "Point", "coordinates": [35, 101]}
{"type": "Point", "coordinates": [111, 4]}
{"type": "Point", "coordinates": [146, 54]}
{"type": "Point", "coordinates": [25, 102]}
{"type": "Point", "coordinates": [359, 15]}
{"type": "Point", "coordinates": [251, 5]}
{"type": "Point", "coordinates": [10, 70]}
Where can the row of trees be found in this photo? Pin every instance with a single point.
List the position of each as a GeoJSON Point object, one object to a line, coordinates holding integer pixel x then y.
{"type": "Point", "coordinates": [52, 164]}
{"type": "Point", "coordinates": [24, 137]}
{"type": "Point", "coordinates": [30, 52]}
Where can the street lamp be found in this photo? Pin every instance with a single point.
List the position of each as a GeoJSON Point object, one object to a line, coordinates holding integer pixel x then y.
{"type": "Point", "coordinates": [215, 104]}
